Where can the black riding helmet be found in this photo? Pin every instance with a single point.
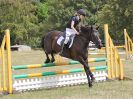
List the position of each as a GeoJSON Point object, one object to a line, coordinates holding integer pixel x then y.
{"type": "Point", "coordinates": [81, 12]}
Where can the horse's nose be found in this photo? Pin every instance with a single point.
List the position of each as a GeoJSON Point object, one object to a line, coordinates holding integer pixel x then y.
{"type": "Point", "coordinates": [100, 46]}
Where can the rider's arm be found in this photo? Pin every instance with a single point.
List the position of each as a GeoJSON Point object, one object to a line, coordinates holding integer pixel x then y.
{"type": "Point", "coordinates": [72, 26]}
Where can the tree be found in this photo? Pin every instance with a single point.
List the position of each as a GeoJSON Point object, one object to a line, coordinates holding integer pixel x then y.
{"type": "Point", "coordinates": [21, 17]}
{"type": "Point", "coordinates": [28, 20]}
{"type": "Point", "coordinates": [119, 15]}
{"type": "Point", "coordinates": [60, 11]}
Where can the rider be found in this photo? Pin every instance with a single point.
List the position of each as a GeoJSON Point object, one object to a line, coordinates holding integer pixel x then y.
{"type": "Point", "coordinates": [73, 22]}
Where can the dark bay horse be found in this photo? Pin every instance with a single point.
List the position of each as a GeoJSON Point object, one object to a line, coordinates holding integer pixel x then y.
{"type": "Point", "coordinates": [78, 51]}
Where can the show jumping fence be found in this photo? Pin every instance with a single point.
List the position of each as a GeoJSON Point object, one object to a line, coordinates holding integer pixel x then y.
{"type": "Point", "coordinates": [6, 71]}
{"type": "Point", "coordinates": [114, 63]}
{"type": "Point", "coordinates": [22, 82]}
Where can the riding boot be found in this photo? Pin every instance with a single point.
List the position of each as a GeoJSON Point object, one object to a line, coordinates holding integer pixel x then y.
{"type": "Point", "coordinates": [67, 45]}
{"type": "Point", "coordinates": [62, 46]}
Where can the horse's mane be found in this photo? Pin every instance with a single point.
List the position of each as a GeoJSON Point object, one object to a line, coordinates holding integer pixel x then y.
{"type": "Point", "coordinates": [86, 30]}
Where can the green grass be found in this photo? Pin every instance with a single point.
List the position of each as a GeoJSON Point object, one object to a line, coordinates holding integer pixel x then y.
{"type": "Point", "coordinates": [104, 90]}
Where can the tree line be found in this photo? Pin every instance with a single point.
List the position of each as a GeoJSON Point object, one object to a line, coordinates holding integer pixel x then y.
{"type": "Point", "coordinates": [29, 20]}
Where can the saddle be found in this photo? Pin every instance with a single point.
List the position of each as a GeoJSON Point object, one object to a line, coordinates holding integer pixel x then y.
{"type": "Point", "coordinates": [61, 39]}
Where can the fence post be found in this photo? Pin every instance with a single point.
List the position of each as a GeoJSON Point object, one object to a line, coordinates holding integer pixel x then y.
{"type": "Point", "coordinates": [8, 48]}
{"type": "Point", "coordinates": [107, 49]}
{"type": "Point", "coordinates": [126, 46]}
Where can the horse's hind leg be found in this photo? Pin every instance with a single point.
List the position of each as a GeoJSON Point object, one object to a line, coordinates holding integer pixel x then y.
{"type": "Point", "coordinates": [48, 59]}
{"type": "Point", "coordinates": [53, 59]}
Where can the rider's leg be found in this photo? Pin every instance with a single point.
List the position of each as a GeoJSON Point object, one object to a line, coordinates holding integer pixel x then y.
{"type": "Point", "coordinates": [72, 39]}
{"type": "Point", "coordinates": [71, 36]}
{"type": "Point", "coordinates": [68, 34]}
{"type": "Point", "coordinates": [66, 40]}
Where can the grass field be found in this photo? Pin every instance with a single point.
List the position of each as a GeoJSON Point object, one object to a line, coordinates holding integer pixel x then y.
{"type": "Point", "coordinates": [106, 90]}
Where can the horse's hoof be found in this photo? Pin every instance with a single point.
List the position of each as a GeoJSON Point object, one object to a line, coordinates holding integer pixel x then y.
{"type": "Point", "coordinates": [52, 60]}
{"type": "Point", "coordinates": [47, 61]}
{"type": "Point", "coordinates": [90, 85]}
{"type": "Point", "coordinates": [92, 78]}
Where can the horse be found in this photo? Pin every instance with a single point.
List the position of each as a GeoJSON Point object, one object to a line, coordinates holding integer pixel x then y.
{"type": "Point", "coordinates": [79, 49]}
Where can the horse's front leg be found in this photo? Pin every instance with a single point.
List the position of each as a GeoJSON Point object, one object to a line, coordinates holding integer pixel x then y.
{"type": "Point", "coordinates": [90, 73]}
{"type": "Point", "coordinates": [87, 71]}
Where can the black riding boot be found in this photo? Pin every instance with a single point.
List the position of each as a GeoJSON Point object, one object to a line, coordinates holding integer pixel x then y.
{"type": "Point", "coordinates": [62, 46]}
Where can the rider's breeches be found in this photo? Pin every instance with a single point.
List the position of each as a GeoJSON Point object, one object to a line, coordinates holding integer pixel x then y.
{"type": "Point", "coordinates": [69, 32]}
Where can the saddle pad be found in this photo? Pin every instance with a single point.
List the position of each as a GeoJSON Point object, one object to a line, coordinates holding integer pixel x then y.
{"type": "Point", "coordinates": [59, 40]}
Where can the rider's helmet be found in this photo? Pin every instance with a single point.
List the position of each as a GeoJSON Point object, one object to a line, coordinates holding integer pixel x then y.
{"type": "Point", "coordinates": [81, 12]}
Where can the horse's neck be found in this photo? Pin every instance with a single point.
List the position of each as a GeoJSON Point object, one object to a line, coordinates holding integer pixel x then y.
{"type": "Point", "coordinates": [82, 41]}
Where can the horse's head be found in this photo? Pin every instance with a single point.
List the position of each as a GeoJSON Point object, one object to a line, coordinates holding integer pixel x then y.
{"type": "Point", "coordinates": [91, 33]}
